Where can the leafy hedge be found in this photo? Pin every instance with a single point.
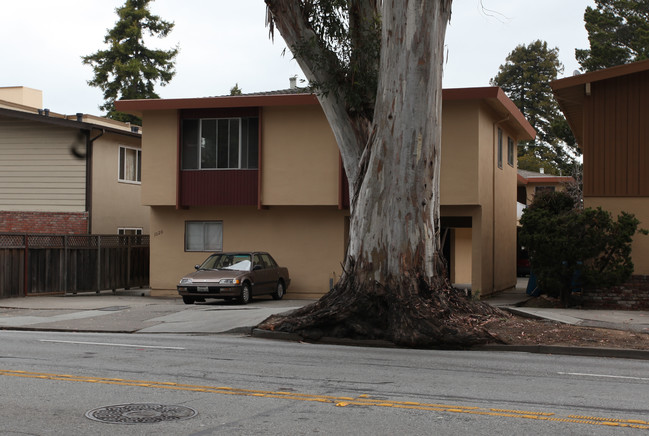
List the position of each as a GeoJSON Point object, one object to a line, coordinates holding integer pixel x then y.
{"type": "Point", "coordinates": [571, 247]}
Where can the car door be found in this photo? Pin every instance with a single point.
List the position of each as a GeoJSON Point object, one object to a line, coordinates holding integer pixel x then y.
{"type": "Point", "coordinates": [261, 275]}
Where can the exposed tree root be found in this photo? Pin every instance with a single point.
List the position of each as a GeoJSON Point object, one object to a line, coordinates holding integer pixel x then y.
{"type": "Point", "coordinates": [409, 313]}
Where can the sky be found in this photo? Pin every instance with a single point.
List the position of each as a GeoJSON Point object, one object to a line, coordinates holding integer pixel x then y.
{"type": "Point", "coordinates": [224, 42]}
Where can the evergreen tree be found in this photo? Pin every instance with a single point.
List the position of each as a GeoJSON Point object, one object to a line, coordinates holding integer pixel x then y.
{"type": "Point", "coordinates": [127, 69]}
{"type": "Point", "coordinates": [525, 77]}
{"type": "Point", "coordinates": [235, 90]}
{"type": "Point", "coordinates": [618, 33]}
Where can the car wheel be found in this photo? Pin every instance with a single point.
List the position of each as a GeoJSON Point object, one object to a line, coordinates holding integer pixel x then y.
{"type": "Point", "coordinates": [246, 294]}
{"type": "Point", "coordinates": [279, 292]}
{"type": "Point", "coordinates": [188, 300]}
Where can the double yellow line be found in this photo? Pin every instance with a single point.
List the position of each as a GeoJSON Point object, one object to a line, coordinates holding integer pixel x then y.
{"type": "Point", "coordinates": [338, 401]}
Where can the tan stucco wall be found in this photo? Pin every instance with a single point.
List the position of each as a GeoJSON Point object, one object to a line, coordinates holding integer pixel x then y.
{"type": "Point", "coordinates": [22, 95]}
{"type": "Point", "coordinates": [159, 158]}
{"type": "Point", "coordinates": [473, 185]}
{"type": "Point", "coordinates": [462, 256]}
{"type": "Point", "coordinates": [300, 158]}
{"type": "Point", "coordinates": [639, 206]}
{"type": "Point", "coordinates": [307, 240]}
{"type": "Point", "coordinates": [504, 219]}
{"type": "Point", "coordinates": [460, 158]}
{"type": "Point", "coordinates": [115, 204]}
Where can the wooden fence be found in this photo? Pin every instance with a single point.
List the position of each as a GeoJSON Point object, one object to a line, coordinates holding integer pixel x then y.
{"type": "Point", "coordinates": [35, 264]}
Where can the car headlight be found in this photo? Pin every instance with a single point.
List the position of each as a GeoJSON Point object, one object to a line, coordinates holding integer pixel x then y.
{"type": "Point", "coordinates": [229, 281]}
{"type": "Point", "coordinates": [186, 281]}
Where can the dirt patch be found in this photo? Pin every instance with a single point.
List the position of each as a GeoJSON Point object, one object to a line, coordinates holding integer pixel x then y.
{"type": "Point", "coordinates": [515, 330]}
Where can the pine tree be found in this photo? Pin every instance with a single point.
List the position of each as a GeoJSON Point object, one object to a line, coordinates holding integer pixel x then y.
{"type": "Point", "coordinates": [525, 77]}
{"type": "Point", "coordinates": [127, 69]}
{"type": "Point", "coordinates": [618, 33]}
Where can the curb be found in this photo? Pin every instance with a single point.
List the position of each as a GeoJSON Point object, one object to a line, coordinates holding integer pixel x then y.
{"type": "Point", "coordinates": [621, 353]}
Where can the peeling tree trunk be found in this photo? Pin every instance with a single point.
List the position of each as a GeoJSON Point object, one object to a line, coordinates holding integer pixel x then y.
{"type": "Point", "coordinates": [393, 286]}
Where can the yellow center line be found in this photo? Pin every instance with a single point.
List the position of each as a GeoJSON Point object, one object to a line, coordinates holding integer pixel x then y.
{"type": "Point", "coordinates": [339, 401]}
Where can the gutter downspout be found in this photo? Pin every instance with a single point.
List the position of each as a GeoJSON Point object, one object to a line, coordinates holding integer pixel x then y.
{"type": "Point", "coordinates": [89, 148]}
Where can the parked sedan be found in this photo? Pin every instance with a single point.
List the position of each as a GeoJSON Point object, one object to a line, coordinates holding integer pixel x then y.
{"type": "Point", "coordinates": [239, 275]}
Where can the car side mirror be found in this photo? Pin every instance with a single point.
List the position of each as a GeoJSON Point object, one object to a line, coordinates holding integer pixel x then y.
{"type": "Point", "coordinates": [197, 267]}
{"type": "Point", "coordinates": [257, 267]}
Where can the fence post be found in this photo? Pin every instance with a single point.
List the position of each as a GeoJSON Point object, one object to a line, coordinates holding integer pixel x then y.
{"type": "Point", "coordinates": [131, 241]}
{"type": "Point", "coordinates": [65, 264]}
{"type": "Point", "coordinates": [98, 263]}
{"type": "Point", "coordinates": [26, 264]}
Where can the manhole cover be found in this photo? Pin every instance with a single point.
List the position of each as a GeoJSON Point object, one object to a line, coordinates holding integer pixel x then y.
{"type": "Point", "coordinates": [140, 413]}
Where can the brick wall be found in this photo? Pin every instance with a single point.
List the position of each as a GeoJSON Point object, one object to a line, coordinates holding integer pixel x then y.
{"type": "Point", "coordinates": [73, 223]}
{"type": "Point", "coordinates": [632, 295]}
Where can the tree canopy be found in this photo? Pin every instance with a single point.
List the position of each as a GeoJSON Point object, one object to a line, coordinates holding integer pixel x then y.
{"type": "Point", "coordinates": [525, 77]}
{"type": "Point", "coordinates": [128, 69]}
{"type": "Point", "coordinates": [618, 33]}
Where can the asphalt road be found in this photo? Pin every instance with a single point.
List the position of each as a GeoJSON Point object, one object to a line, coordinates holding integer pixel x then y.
{"type": "Point", "coordinates": [246, 386]}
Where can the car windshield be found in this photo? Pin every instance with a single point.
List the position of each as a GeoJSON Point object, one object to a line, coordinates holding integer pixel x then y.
{"type": "Point", "coordinates": [236, 262]}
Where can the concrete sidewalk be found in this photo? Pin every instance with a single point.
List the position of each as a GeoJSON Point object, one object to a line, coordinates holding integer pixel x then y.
{"type": "Point", "coordinates": [134, 311]}
{"type": "Point", "coordinates": [636, 321]}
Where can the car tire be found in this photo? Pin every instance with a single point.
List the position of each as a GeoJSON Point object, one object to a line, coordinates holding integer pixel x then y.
{"type": "Point", "coordinates": [246, 294]}
{"type": "Point", "coordinates": [279, 292]}
{"type": "Point", "coordinates": [188, 300]}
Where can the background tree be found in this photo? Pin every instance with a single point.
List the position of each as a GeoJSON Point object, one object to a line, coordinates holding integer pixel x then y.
{"type": "Point", "coordinates": [525, 77]}
{"type": "Point", "coordinates": [356, 53]}
{"type": "Point", "coordinates": [127, 69]}
{"type": "Point", "coordinates": [235, 90]}
{"type": "Point", "coordinates": [618, 33]}
{"type": "Point", "coordinates": [573, 247]}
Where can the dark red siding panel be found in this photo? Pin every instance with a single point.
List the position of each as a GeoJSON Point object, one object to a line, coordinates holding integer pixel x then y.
{"type": "Point", "coordinates": [218, 188]}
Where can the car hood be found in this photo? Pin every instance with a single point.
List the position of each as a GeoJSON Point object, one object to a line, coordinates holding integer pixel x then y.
{"type": "Point", "coordinates": [205, 276]}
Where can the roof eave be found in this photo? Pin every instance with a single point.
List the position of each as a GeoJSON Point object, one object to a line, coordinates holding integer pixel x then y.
{"type": "Point", "coordinates": [137, 107]}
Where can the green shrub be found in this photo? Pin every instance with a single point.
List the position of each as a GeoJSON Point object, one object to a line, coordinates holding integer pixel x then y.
{"type": "Point", "coordinates": [576, 248]}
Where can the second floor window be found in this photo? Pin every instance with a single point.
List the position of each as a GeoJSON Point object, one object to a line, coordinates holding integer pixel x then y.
{"type": "Point", "coordinates": [510, 151]}
{"type": "Point", "coordinates": [130, 164]}
{"type": "Point", "coordinates": [220, 143]}
{"type": "Point", "coordinates": [500, 148]}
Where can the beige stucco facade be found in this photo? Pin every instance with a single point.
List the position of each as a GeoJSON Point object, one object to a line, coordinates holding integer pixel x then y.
{"type": "Point", "coordinates": [115, 204]}
{"type": "Point", "coordinates": [22, 95]}
{"type": "Point", "coordinates": [308, 240]}
{"type": "Point", "coordinates": [473, 185]}
{"type": "Point", "coordinates": [300, 158]}
{"type": "Point", "coordinates": [299, 218]}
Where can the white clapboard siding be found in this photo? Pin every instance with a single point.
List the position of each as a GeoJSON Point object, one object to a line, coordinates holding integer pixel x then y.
{"type": "Point", "coordinates": [38, 171]}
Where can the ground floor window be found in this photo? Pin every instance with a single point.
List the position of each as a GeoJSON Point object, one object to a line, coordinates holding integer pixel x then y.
{"type": "Point", "coordinates": [204, 236]}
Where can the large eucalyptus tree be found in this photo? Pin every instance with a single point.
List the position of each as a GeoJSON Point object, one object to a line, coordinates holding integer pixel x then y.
{"type": "Point", "coordinates": [377, 69]}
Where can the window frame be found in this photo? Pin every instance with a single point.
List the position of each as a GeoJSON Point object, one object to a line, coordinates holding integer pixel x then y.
{"type": "Point", "coordinates": [500, 148]}
{"type": "Point", "coordinates": [244, 137]}
{"type": "Point", "coordinates": [122, 231]}
{"type": "Point", "coordinates": [121, 162]}
{"type": "Point", "coordinates": [510, 151]}
{"type": "Point", "coordinates": [217, 249]}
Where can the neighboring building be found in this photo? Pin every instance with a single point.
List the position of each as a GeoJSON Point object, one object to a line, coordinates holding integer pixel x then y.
{"type": "Point", "coordinates": [66, 174]}
{"type": "Point", "coordinates": [263, 172]}
{"type": "Point", "coordinates": [531, 183]}
{"type": "Point", "coordinates": [608, 112]}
